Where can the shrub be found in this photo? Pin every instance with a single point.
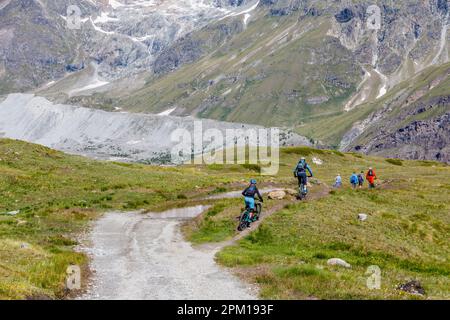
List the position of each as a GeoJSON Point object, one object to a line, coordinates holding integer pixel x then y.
{"type": "Point", "coordinates": [218, 208]}
{"type": "Point", "coordinates": [302, 151]}
{"type": "Point", "coordinates": [263, 235]}
{"type": "Point", "coordinates": [395, 162]}
{"type": "Point", "coordinates": [252, 167]}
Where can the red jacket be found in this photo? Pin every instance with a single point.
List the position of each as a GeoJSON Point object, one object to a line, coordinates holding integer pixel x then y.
{"type": "Point", "coordinates": [371, 177]}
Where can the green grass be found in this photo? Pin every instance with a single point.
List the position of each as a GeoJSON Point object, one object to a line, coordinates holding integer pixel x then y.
{"type": "Point", "coordinates": [406, 233]}
{"type": "Point", "coordinates": [395, 162]}
{"type": "Point", "coordinates": [57, 195]}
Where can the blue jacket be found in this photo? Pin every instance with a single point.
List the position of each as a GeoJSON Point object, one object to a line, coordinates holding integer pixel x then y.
{"type": "Point", "coordinates": [354, 179]}
{"type": "Point", "coordinates": [302, 166]}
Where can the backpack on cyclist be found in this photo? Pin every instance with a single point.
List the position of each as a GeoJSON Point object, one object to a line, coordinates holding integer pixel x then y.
{"type": "Point", "coordinates": [250, 192]}
{"type": "Point", "coordinates": [301, 167]}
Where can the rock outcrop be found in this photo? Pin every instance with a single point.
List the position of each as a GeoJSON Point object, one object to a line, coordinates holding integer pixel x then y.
{"type": "Point", "coordinates": [39, 43]}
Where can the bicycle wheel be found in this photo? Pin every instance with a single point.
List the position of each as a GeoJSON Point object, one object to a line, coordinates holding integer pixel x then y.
{"type": "Point", "coordinates": [300, 195]}
{"type": "Point", "coordinates": [258, 211]}
{"type": "Point", "coordinates": [243, 221]}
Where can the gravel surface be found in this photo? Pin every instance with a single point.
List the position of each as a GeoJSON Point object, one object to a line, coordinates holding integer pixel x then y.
{"type": "Point", "coordinates": [144, 256]}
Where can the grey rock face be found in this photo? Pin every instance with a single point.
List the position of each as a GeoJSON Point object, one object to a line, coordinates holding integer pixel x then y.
{"type": "Point", "coordinates": [442, 6]}
{"type": "Point", "coordinates": [123, 37]}
{"type": "Point", "coordinates": [426, 139]}
{"type": "Point", "coordinates": [34, 46]}
{"type": "Point", "coordinates": [419, 140]}
{"type": "Point", "coordinates": [191, 47]}
{"type": "Point", "coordinates": [345, 16]}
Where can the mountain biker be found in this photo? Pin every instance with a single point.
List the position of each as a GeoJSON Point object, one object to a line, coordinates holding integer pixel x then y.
{"type": "Point", "coordinates": [300, 172]}
{"type": "Point", "coordinates": [354, 180]}
{"type": "Point", "coordinates": [371, 177]}
{"type": "Point", "coordinates": [249, 193]}
{"type": "Point", "coordinates": [361, 179]}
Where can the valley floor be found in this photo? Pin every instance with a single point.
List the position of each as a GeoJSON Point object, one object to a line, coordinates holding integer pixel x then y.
{"type": "Point", "coordinates": [48, 200]}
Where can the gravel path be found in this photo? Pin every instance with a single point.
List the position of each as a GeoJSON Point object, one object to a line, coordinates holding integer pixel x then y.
{"type": "Point", "coordinates": [144, 256]}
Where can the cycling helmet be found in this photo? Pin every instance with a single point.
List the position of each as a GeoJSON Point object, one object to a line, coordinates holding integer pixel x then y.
{"type": "Point", "coordinates": [253, 181]}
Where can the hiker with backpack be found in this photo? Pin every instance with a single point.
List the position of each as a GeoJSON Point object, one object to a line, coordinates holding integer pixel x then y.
{"type": "Point", "coordinates": [371, 177]}
{"type": "Point", "coordinates": [361, 179]}
{"type": "Point", "coordinates": [354, 180]}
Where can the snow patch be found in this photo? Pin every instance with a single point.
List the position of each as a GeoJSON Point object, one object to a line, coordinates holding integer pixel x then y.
{"type": "Point", "coordinates": [167, 112]}
{"type": "Point", "coordinates": [384, 84]}
{"type": "Point", "coordinates": [443, 42]}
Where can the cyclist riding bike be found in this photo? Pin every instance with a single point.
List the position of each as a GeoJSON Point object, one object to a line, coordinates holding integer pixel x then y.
{"type": "Point", "coordinates": [249, 194]}
{"type": "Point", "coordinates": [300, 173]}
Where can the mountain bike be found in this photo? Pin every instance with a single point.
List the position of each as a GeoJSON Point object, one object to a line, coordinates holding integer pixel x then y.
{"type": "Point", "coordinates": [244, 219]}
{"type": "Point", "coordinates": [303, 190]}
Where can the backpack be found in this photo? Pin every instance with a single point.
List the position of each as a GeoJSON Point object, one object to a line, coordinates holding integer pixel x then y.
{"type": "Point", "coordinates": [301, 166]}
{"type": "Point", "coordinates": [250, 192]}
{"type": "Point", "coordinates": [354, 179]}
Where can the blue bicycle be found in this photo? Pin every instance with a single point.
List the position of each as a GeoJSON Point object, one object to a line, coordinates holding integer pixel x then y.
{"type": "Point", "coordinates": [245, 220]}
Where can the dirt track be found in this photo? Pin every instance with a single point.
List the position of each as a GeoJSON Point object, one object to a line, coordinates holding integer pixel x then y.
{"type": "Point", "coordinates": [144, 256]}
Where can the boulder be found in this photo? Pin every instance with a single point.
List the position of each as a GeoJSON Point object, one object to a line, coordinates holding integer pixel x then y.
{"type": "Point", "coordinates": [277, 195]}
{"type": "Point", "coordinates": [21, 222]}
{"type": "Point", "coordinates": [317, 161]}
{"type": "Point", "coordinates": [13, 213]}
{"type": "Point", "coordinates": [291, 192]}
{"type": "Point", "coordinates": [24, 246]}
{"type": "Point", "coordinates": [413, 287]}
{"type": "Point", "coordinates": [362, 217]}
{"type": "Point", "coordinates": [338, 262]}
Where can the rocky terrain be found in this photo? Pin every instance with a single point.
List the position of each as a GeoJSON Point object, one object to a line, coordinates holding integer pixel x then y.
{"type": "Point", "coordinates": [107, 135]}
{"type": "Point", "coordinates": [329, 69]}
{"type": "Point", "coordinates": [122, 37]}
{"type": "Point", "coordinates": [412, 123]}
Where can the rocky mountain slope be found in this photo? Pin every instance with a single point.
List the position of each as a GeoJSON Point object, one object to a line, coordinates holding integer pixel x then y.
{"type": "Point", "coordinates": [42, 41]}
{"type": "Point", "coordinates": [412, 122]}
{"type": "Point", "coordinates": [325, 68]}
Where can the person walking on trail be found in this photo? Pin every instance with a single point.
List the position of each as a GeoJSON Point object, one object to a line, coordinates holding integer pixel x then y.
{"type": "Point", "coordinates": [249, 193]}
{"type": "Point", "coordinates": [338, 182]}
{"type": "Point", "coordinates": [371, 177]}
{"type": "Point", "coordinates": [300, 172]}
{"type": "Point", "coordinates": [361, 179]}
{"type": "Point", "coordinates": [354, 180]}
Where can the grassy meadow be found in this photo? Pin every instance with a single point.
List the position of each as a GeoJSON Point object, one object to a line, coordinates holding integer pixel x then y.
{"type": "Point", "coordinates": [406, 233]}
